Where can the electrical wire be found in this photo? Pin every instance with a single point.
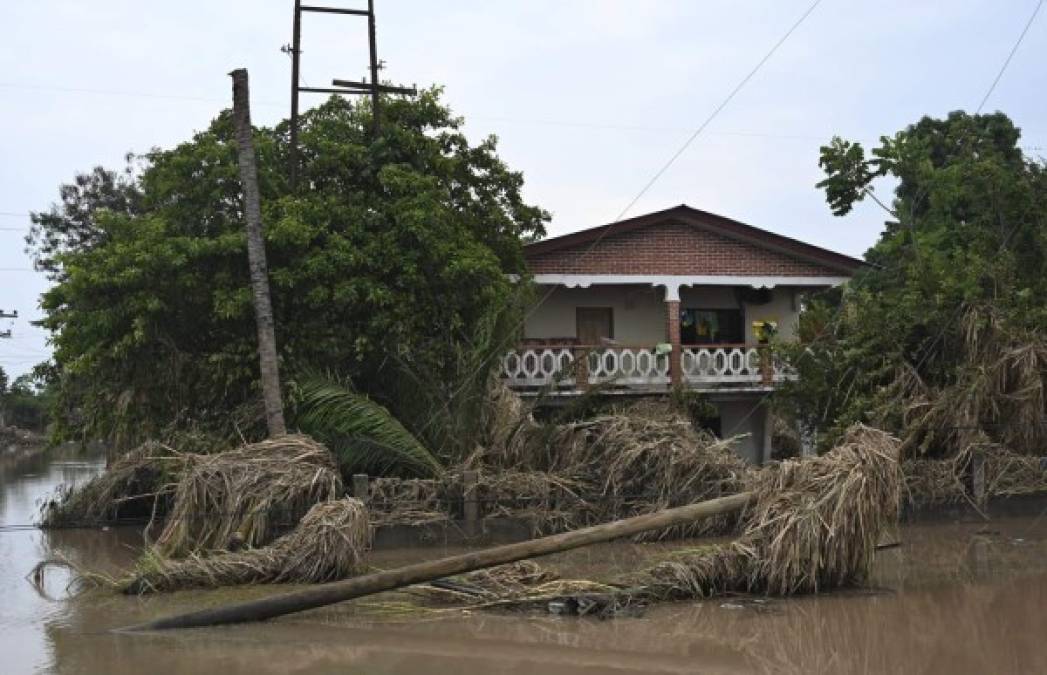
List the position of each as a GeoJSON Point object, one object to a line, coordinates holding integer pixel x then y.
{"type": "Point", "coordinates": [1010, 55]}
{"type": "Point", "coordinates": [650, 183]}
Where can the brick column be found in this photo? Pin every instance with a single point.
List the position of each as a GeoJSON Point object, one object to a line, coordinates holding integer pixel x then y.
{"type": "Point", "coordinates": [672, 335]}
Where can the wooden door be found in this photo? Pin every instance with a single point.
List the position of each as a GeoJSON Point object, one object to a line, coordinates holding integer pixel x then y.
{"type": "Point", "coordinates": [593, 324]}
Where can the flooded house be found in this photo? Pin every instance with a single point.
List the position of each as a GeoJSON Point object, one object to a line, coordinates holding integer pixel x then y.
{"type": "Point", "coordinates": [679, 298]}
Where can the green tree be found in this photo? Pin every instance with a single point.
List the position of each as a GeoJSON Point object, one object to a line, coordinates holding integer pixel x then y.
{"type": "Point", "coordinates": [24, 402]}
{"type": "Point", "coordinates": [392, 251]}
{"type": "Point", "coordinates": [966, 239]}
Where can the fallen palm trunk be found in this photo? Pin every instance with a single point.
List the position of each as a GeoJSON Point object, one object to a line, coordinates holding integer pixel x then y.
{"type": "Point", "coordinates": [329, 594]}
{"type": "Point", "coordinates": [328, 544]}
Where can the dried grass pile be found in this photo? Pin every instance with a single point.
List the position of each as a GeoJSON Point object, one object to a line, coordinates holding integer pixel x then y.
{"type": "Point", "coordinates": [328, 544]}
{"type": "Point", "coordinates": [249, 495]}
{"type": "Point", "coordinates": [814, 526]}
{"type": "Point", "coordinates": [651, 464]}
{"type": "Point", "coordinates": [507, 420]}
{"type": "Point", "coordinates": [135, 486]}
{"type": "Point", "coordinates": [999, 394]}
{"type": "Point", "coordinates": [551, 503]}
{"type": "Point", "coordinates": [564, 476]}
{"type": "Point", "coordinates": [935, 482]}
{"type": "Point", "coordinates": [638, 461]}
{"type": "Point", "coordinates": [407, 501]}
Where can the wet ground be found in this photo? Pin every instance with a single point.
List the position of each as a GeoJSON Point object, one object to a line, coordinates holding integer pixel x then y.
{"type": "Point", "coordinates": [953, 598]}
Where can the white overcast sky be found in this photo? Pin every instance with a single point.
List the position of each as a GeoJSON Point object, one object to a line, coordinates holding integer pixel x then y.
{"type": "Point", "coordinates": [589, 98]}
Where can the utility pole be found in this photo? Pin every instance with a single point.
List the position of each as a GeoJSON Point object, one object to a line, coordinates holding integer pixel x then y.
{"type": "Point", "coordinates": [373, 49]}
{"type": "Point", "coordinates": [374, 87]}
{"type": "Point", "coordinates": [296, 49]}
{"type": "Point", "coordinates": [267, 359]}
{"type": "Point", "coordinates": [7, 315]}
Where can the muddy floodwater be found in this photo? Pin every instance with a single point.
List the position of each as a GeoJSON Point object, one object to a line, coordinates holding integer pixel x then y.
{"type": "Point", "coordinates": [955, 597]}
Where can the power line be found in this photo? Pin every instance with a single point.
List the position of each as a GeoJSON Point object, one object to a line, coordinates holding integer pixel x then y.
{"type": "Point", "coordinates": [697, 132]}
{"type": "Point", "coordinates": [1010, 56]}
{"type": "Point", "coordinates": [123, 93]}
{"type": "Point", "coordinates": [713, 115]}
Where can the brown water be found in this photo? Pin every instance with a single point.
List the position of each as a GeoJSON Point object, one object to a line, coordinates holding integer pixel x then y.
{"type": "Point", "coordinates": [954, 598]}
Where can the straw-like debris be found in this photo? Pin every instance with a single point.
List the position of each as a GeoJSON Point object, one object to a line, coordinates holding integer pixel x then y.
{"type": "Point", "coordinates": [815, 526]}
{"type": "Point", "coordinates": [523, 585]}
{"type": "Point", "coordinates": [249, 495]}
{"type": "Point", "coordinates": [406, 501]}
{"type": "Point", "coordinates": [999, 394]}
{"type": "Point", "coordinates": [133, 487]}
{"type": "Point", "coordinates": [936, 482]}
{"type": "Point", "coordinates": [327, 545]}
{"type": "Point", "coordinates": [561, 477]}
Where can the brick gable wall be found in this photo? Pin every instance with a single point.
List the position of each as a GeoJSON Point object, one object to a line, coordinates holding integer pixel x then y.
{"type": "Point", "coordinates": [673, 248]}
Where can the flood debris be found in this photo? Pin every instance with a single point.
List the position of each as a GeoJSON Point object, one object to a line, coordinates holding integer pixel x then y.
{"type": "Point", "coordinates": [813, 525]}
{"type": "Point", "coordinates": [134, 486]}
{"type": "Point", "coordinates": [945, 481]}
{"type": "Point", "coordinates": [249, 495]}
{"type": "Point", "coordinates": [561, 477]}
{"type": "Point", "coordinates": [810, 526]}
{"type": "Point", "coordinates": [329, 543]}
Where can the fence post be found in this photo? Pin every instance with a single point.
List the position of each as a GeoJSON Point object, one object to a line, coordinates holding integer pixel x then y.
{"type": "Point", "coordinates": [361, 487]}
{"type": "Point", "coordinates": [978, 476]}
{"type": "Point", "coordinates": [471, 503]}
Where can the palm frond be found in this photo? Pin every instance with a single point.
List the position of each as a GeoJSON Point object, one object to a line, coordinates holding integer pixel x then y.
{"type": "Point", "coordinates": [363, 435]}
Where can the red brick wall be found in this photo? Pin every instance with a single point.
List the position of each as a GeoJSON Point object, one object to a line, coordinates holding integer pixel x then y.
{"type": "Point", "coordinates": [673, 249]}
{"type": "Point", "coordinates": [672, 334]}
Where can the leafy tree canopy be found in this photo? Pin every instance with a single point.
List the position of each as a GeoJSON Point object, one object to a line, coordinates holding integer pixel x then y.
{"type": "Point", "coordinates": [24, 402]}
{"type": "Point", "coordinates": [967, 231]}
{"type": "Point", "coordinates": [391, 248]}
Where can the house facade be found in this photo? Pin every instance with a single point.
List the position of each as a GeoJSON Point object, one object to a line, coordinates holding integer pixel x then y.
{"type": "Point", "coordinates": [675, 298]}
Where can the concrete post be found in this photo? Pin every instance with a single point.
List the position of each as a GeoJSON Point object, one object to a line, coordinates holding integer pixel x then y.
{"type": "Point", "coordinates": [807, 442]}
{"type": "Point", "coordinates": [978, 476]}
{"type": "Point", "coordinates": [768, 431]}
{"type": "Point", "coordinates": [471, 504]}
{"type": "Point", "coordinates": [361, 487]}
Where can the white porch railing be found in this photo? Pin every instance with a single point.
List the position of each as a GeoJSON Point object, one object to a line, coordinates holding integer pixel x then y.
{"type": "Point", "coordinates": [538, 366]}
{"type": "Point", "coordinates": [631, 366]}
{"type": "Point", "coordinates": [542, 366]}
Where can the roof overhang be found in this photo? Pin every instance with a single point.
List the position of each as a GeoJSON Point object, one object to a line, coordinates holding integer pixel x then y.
{"type": "Point", "coordinates": [711, 222]}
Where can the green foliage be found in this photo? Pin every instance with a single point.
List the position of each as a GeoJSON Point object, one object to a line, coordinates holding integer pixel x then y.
{"type": "Point", "coordinates": [391, 247]}
{"type": "Point", "coordinates": [695, 405]}
{"type": "Point", "coordinates": [362, 434]}
{"type": "Point", "coordinates": [445, 404]}
{"type": "Point", "coordinates": [446, 401]}
{"type": "Point", "coordinates": [969, 230]}
{"type": "Point", "coordinates": [24, 402]}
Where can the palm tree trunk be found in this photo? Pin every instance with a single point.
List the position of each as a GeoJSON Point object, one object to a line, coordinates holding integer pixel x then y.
{"type": "Point", "coordinates": [274, 410]}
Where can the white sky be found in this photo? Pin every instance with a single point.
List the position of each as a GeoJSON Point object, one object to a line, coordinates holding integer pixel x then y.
{"type": "Point", "coordinates": [588, 98]}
